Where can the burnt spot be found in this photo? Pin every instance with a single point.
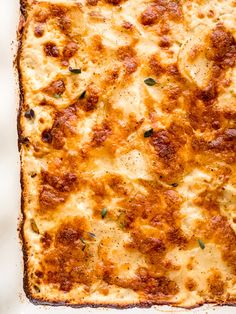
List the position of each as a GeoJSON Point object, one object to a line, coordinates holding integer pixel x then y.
{"type": "Point", "coordinates": [100, 134]}
{"type": "Point", "coordinates": [68, 235]}
{"type": "Point", "coordinates": [114, 2]}
{"type": "Point", "coordinates": [163, 145]}
{"type": "Point", "coordinates": [125, 52]}
{"type": "Point", "coordinates": [131, 65]}
{"type": "Point", "coordinates": [50, 198]}
{"type": "Point", "coordinates": [92, 2]}
{"type": "Point", "coordinates": [67, 262]}
{"type": "Point", "coordinates": [172, 70]}
{"type": "Point", "coordinates": [223, 47]}
{"type": "Point", "coordinates": [203, 116]}
{"type": "Point", "coordinates": [63, 127]}
{"type": "Point", "coordinates": [51, 50]}
{"type": "Point", "coordinates": [155, 65]}
{"type": "Point", "coordinates": [216, 285]}
{"type": "Point", "coordinates": [149, 16]}
{"type": "Point", "coordinates": [55, 88]}
{"type": "Point", "coordinates": [128, 55]}
{"type": "Point", "coordinates": [225, 141]}
{"type": "Point", "coordinates": [173, 9]}
{"type": "Point", "coordinates": [190, 284]}
{"type": "Point", "coordinates": [41, 15]}
{"type": "Point", "coordinates": [151, 244]}
{"type": "Point", "coordinates": [88, 99]}
{"type": "Point", "coordinates": [209, 93]}
{"type": "Point", "coordinates": [69, 50]}
{"type": "Point", "coordinates": [64, 23]}
{"type": "Point", "coordinates": [176, 237]}
{"type": "Point", "coordinates": [127, 25]}
{"type": "Point", "coordinates": [92, 100]}
{"type": "Point", "coordinates": [154, 285]}
{"type": "Point", "coordinates": [46, 136]}
{"type": "Point", "coordinates": [39, 30]}
{"type": "Point", "coordinates": [161, 10]}
{"type": "Point", "coordinates": [25, 141]}
{"type": "Point", "coordinates": [215, 125]}
{"type": "Point", "coordinates": [164, 42]}
{"type": "Point", "coordinates": [57, 10]}
{"type": "Point", "coordinates": [56, 188]}
{"type": "Point", "coordinates": [64, 183]}
{"type": "Point", "coordinates": [46, 240]}
{"type": "Point", "coordinates": [39, 273]}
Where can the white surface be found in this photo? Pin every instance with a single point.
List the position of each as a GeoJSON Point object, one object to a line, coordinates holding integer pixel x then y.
{"type": "Point", "coordinates": [12, 298]}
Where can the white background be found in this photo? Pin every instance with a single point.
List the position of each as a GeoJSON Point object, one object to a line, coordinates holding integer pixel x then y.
{"type": "Point", "coordinates": [12, 298]}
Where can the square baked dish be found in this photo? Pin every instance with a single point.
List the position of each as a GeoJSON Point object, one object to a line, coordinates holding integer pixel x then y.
{"type": "Point", "coordinates": [127, 139]}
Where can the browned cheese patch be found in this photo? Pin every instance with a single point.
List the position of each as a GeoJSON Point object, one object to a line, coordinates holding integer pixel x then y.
{"type": "Point", "coordinates": [128, 165]}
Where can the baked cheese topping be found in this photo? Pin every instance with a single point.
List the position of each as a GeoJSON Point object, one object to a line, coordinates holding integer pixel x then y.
{"type": "Point", "coordinates": [128, 142]}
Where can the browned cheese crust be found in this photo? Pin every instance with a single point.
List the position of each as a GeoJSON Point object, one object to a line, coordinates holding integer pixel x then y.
{"type": "Point", "coordinates": [128, 138]}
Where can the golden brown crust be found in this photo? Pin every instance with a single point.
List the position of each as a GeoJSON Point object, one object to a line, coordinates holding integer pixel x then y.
{"type": "Point", "coordinates": [128, 162]}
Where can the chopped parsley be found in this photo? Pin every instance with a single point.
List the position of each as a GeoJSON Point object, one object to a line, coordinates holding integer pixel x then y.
{"type": "Point", "coordinates": [201, 244]}
{"type": "Point", "coordinates": [148, 133]}
{"type": "Point", "coordinates": [84, 243]}
{"type": "Point", "coordinates": [34, 226]}
{"type": "Point", "coordinates": [122, 225]}
{"type": "Point", "coordinates": [75, 71]}
{"type": "Point", "coordinates": [57, 96]}
{"type": "Point", "coordinates": [93, 235]}
{"type": "Point", "coordinates": [150, 81]}
{"type": "Point", "coordinates": [104, 213]}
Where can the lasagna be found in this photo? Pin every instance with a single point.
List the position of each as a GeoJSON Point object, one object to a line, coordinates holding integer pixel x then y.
{"type": "Point", "coordinates": [127, 136]}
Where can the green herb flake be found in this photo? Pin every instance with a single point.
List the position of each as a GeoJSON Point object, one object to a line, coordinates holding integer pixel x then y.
{"type": "Point", "coordinates": [201, 244]}
{"type": "Point", "coordinates": [84, 243]}
{"type": "Point", "coordinates": [148, 133]}
{"type": "Point", "coordinates": [34, 226]}
{"type": "Point", "coordinates": [82, 96]}
{"type": "Point", "coordinates": [57, 96]}
{"type": "Point", "coordinates": [91, 234]}
{"type": "Point", "coordinates": [104, 213]}
{"type": "Point", "coordinates": [75, 71]}
{"type": "Point", "coordinates": [122, 225]}
{"type": "Point", "coordinates": [150, 81]}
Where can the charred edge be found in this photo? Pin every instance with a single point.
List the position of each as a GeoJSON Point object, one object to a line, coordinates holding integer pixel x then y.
{"type": "Point", "coordinates": [23, 7]}
{"type": "Point", "coordinates": [146, 304]}
{"type": "Point", "coordinates": [21, 92]}
{"type": "Point", "coordinates": [38, 302]}
{"type": "Point", "coordinates": [17, 64]}
{"type": "Point", "coordinates": [19, 131]}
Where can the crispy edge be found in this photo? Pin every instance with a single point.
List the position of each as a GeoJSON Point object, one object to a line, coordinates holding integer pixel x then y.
{"type": "Point", "coordinates": [36, 301]}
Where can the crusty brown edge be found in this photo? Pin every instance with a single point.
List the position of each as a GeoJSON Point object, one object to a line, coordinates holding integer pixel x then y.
{"type": "Point", "coordinates": [19, 130]}
{"type": "Point", "coordinates": [29, 295]}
